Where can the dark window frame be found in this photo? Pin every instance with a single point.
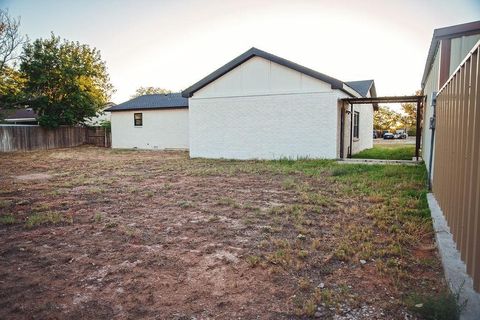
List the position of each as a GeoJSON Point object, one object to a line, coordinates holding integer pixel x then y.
{"type": "Point", "coordinates": [356, 124]}
{"type": "Point", "coordinates": [138, 122]}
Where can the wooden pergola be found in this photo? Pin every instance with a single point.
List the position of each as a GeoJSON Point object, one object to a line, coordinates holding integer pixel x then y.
{"type": "Point", "coordinates": [419, 100]}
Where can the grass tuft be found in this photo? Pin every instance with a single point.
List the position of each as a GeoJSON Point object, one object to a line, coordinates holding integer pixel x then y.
{"type": "Point", "coordinates": [441, 306]}
{"type": "Point", "coordinates": [7, 219]}
{"type": "Point", "coordinates": [49, 217]}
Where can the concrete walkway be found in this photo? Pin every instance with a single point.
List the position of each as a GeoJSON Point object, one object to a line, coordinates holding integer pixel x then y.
{"type": "Point", "coordinates": [378, 161]}
{"type": "Point", "coordinates": [455, 269]}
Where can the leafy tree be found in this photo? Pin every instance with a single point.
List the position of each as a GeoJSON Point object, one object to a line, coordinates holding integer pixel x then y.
{"type": "Point", "coordinates": [10, 38]}
{"type": "Point", "coordinates": [150, 90]}
{"type": "Point", "coordinates": [66, 81]}
{"type": "Point", "coordinates": [409, 120]}
{"type": "Point", "coordinates": [386, 119]}
{"type": "Point", "coordinates": [12, 83]}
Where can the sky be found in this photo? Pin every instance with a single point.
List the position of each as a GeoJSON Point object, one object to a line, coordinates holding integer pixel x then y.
{"type": "Point", "coordinates": [173, 44]}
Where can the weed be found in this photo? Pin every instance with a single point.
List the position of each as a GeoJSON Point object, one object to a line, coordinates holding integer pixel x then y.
{"type": "Point", "coordinates": [41, 207]}
{"type": "Point", "coordinates": [441, 306]}
{"type": "Point", "coordinates": [310, 307]}
{"type": "Point", "coordinates": [95, 190]}
{"type": "Point", "coordinates": [111, 224]}
{"type": "Point", "coordinates": [344, 251]}
{"type": "Point", "coordinates": [225, 201]}
{"type": "Point", "coordinates": [98, 217]}
{"type": "Point", "coordinates": [213, 218]}
{"type": "Point", "coordinates": [289, 184]}
{"type": "Point", "coordinates": [253, 261]}
{"type": "Point", "coordinates": [326, 296]}
{"type": "Point", "coordinates": [184, 204]}
{"type": "Point", "coordinates": [304, 283]}
{"type": "Point", "coordinates": [316, 244]}
{"type": "Point", "coordinates": [44, 218]}
{"type": "Point", "coordinates": [7, 219]}
{"type": "Point", "coordinates": [302, 254]}
{"type": "Point", "coordinates": [149, 193]}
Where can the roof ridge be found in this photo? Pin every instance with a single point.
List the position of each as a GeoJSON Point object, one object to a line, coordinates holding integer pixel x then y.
{"type": "Point", "coordinates": [335, 83]}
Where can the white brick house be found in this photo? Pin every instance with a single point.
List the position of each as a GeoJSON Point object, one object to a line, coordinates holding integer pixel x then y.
{"type": "Point", "coordinates": [260, 106]}
{"type": "Point", "coordinates": [153, 121]}
{"type": "Point", "coordinates": [257, 106]}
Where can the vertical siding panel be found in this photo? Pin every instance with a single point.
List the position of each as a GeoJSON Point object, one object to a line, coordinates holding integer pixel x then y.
{"type": "Point", "coordinates": [476, 193]}
{"type": "Point", "coordinates": [466, 137]}
{"type": "Point", "coordinates": [451, 154]}
{"type": "Point", "coordinates": [471, 167]}
{"type": "Point", "coordinates": [458, 157]}
{"type": "Point", "coordinates": [456, 182]}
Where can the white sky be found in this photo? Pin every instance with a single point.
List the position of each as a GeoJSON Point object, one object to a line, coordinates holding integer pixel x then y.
{"type": "Point", "coordinates": [173, 44]}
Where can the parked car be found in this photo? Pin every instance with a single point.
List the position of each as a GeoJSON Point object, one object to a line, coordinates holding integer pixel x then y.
{"type": "Point", "coordinates": [388, 135]}
{"type": "Point", "coordinates": [401, 134]}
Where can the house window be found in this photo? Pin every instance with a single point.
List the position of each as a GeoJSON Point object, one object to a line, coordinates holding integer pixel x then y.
{"type": "Point", "coordinates": [356, 124]}
{"type": "Point", "coordinates": [138, 119]}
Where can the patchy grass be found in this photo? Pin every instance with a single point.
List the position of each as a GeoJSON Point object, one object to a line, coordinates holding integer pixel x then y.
{"type": "Point", "coordinates": [43, 218]}
{"type": "Point", "coordinates": [438, 306]}
{"type": "Point", "coordinates": [7, 219]}
{"type": "Point", "coordinates": [243, 239]}
{"type": "Point", "coordinates": [387, 152]}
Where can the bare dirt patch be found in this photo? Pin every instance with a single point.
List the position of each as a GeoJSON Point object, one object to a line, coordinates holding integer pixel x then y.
{"type": "Point", "coordinates": [136, 234]}
{"type": "Point", "coordinates": [33, 176]}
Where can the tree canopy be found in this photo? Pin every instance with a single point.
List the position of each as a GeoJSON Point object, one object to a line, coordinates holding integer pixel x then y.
{"type": "Point", "coordinates": [150, 90]}
{"type": "Point", "coordinates": [12, 83]}
{"type": "Point", "coordinates": [386, 119]}
{"type": "Point", "coordinates": [65, 81]}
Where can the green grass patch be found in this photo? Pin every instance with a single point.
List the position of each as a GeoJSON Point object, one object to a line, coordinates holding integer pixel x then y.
{"type": "Point", "coordinates": [49, 217]}
{"type": "Point", "coordinates": [7, 219]}
{"type": "Point", "coordinates": [438, 306]}
{"type": "Point", "coordinates": [400, 152]}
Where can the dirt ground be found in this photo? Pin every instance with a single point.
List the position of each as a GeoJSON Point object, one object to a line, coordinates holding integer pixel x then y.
{"type": "Point", "coordinates": [95, 233]}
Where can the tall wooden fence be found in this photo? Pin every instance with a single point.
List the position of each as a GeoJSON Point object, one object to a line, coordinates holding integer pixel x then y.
{"type": "Point", "coordinates": [456, 180]}
{"type": "Point", "coordinates": [99, 137]}
{"type": "Point", "coordinates": [27, 138]}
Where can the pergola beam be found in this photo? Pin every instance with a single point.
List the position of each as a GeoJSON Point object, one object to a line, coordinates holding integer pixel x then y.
{"type": "Point", "coordinates": [393, 99]}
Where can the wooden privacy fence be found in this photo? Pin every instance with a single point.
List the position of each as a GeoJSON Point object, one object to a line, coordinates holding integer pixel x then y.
{"type": "Point", "coordinates": [456, 179]}
{"type": "Point", "coordinates": [28, 138]}
{"type": "Point", "coordinates": [99, 137]}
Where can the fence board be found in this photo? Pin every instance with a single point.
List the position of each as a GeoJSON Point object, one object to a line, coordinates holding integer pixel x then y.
{"type": "Point", "coordinates": [456, 179]}
{"type": "Point", "coordinates": [28, 138]}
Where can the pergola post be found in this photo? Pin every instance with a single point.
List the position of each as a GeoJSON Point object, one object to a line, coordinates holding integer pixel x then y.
{"type": "Point", "coordinates": [350, 151]}
{"type": "Point", "coordinates": [418, 131]}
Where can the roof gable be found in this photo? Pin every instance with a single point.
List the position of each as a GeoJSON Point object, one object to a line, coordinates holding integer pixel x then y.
{"type": "Point", "coordinates": [335, 83]}
{"type": "Point", "coordinates": [363, 87]}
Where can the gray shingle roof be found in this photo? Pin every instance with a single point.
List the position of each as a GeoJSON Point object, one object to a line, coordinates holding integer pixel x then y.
{"type": "Point", "coordinates": [153, 101]}
{"type": "Point", "coordinates": [362, 86]}
{"type": "Point", "coordinates": [26, 113]}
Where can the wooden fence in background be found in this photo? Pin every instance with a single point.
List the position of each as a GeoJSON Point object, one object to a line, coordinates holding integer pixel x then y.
{"type": "Point", "coordinates": [28, 138]}
{"type": "Point", "coordinates": [456, 180]}
{"type": "Point", "coordinates": [99, 137]}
